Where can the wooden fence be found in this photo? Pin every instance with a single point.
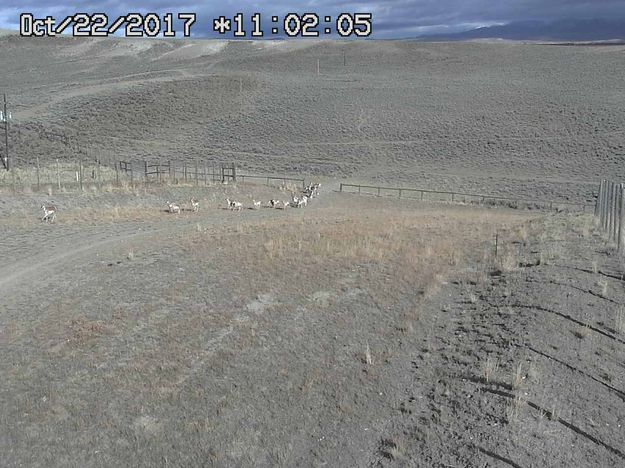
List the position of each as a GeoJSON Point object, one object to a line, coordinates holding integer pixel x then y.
{"type": "Point", "coordinates": [435, 195]}
{"type": "Point", "coordinates": [610, 209]}
{"type": "Point", "coordinates": [82, 174]}
{"type": "Point", "coordinates": [198, 173]}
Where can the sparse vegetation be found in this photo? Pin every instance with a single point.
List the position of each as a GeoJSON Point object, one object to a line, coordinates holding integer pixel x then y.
{"type": "Point", "coordinates": [620, 320]}
{"type": "Point", "coordinates": [603, 287]}
{"type": "Point", "coordinates": [491, 365]}
{"type": "Point", "coordinates": [518, 376]}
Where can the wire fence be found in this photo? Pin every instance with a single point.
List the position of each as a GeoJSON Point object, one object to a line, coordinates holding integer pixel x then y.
{"type": "Point", "coordinates": [81, 175]}
{"type": "Point", "coordinates": [610, 209]}
{"type": "Point", "coordinates": [459, 197]}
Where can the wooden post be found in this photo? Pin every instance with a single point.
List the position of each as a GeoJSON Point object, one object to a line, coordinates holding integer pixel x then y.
{"type": "Point", "coordinates": [597, 204]}
{"type": "Point", "coordinates": [145, 166]}
{"type": "Point", "coordinates": [606, 191]}
{"type": "Point", "coordinates": [600, 201]}
{"type": "Point", "coordinates": [621, 231]}
{"type": "Point", "coordinates": [7, 164]}
{"type": "Point", "coordinates": [378, 191]}
{"type": "Point", "coordinates": [58, 174]}
{"type": "Point", "coordinates": [615, 212]}
{"type": "Point", "coordinates": [38, 184]}
{"type": "Point", "coordinates": [318, 66]}
{"type": "Point", "coordinates": [341, 187]}
{"type": "Point", "coordinates": [205, 173]}
{"type": "Point", "coordinates": [421, 195]}
{"type": "Point", "coordinates": [604, 205]}
{"type": "Point", "coordinates": [185, 171]}
{"type": "Point", "coordinates": [399, 194]}
{"type": "Point", "coordinates": [610, 219]}
{"type": "Point", "coordinates": [80, 172]}
{"type": "Point", "coordinates": [196, 173]}
{"type": "Point", "coordinates": [116, 175]}
{"type": "Point", "coordinates": [496, 243]}
{"type": "Point", "coordinates": [452, 196]}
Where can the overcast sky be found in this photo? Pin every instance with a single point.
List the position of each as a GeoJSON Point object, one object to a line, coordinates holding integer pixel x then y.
{"type": "Point", "coordinates": [391, 18]}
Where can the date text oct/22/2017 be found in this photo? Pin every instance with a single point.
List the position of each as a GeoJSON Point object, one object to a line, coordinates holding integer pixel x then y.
{"type": "Point", "coordinates": [181, 24]}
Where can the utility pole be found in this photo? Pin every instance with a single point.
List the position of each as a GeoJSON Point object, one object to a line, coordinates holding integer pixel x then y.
{"type": "Point", "coordinates": [6, 135]}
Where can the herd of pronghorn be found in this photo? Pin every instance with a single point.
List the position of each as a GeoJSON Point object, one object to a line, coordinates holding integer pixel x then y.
{"type": "Point", "coordinates": [310, 192]}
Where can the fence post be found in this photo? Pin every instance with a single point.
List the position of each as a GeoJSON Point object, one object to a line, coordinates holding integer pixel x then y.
{"type": "Point", "coordinates": [185, 171]}
{"type": "Point", "coordinates": [80, 172]}
{"type": "Point", "coordinates": [58, 173]}
{"type": "Point", "coordinates": [606, 190]}
{"type": "Point", "coordinates": [205, 173]}
{"type": "Point", "coordinates": [99, 172]}
{"type": "Point", "coordinates": [616, 212]}
{"type": "Point", "coordinates": [38, 173]}
{"type": "Point", "coordinates": [116, 175]}
{"type": "Point", "coordinates": [608, 203]}
{"type": "Point", "coordinates": [598, 198]}
{"type": "Point", "coordinates": [196, 175]}
{"type": "Point", "coordinates": [145, 167]}
{"type": "Point", "coordinates": [399, 193]}
{"type": "Point", "coordinates": [621, 224]}
{"type": "Point", "coordinates": [610, 211]}
{"type": "Point", "coordinates": [341, 187]}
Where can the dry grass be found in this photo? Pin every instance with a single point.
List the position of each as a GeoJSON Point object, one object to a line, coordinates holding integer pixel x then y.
{"type": "Point", "coordinates": [620, 320]}
{"type": "Point", "coordinates": [490, 367]}
{"type": "Point", "coordinates": [394, 449]}
{"type": "Point", "coordinates": [603, 287]}
{"type": "Point", "coordinates": [582, 332]}
{"type": "Point", "coordinates": [518, 376]}
{"type": "Point", "coordinates": [410, 250]}
{"type": "Point", "coordinates": [513, 409]}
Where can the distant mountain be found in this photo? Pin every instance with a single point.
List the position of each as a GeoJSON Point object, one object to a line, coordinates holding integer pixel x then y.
{"type": "Point", "coordinates": [583, 30]}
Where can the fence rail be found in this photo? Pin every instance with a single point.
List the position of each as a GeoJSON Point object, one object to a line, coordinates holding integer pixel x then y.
{"type": "Point", "coordinates": [269, 179]}
{"type": "Point", "coordinates": [610, 209]}
{"type": "Point", "coordinates": [454, 196]}
{"type": "Point", "coordinates": [82, 174]}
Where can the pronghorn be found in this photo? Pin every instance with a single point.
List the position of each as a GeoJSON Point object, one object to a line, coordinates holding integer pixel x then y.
{"type": "Point", "coordinates": [256, 204]}
{"type": "Point", "coordinates": [234, 205]}
{"type": "Point", "coordinates": [173, 207]}
{"type": "Point", "coordinates": [274, 203]}
{"type": "Point", "coordinates": [303, 201]}
{"type": "Point", "coordinates": [49, 212]}
{"type": "Point", "coordinates": [286, 204]}
{"type": "Point", "coordinates": [195, 204]}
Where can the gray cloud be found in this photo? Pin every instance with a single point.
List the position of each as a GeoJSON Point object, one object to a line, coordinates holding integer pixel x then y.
{"type": "Point", "coordinates": [391, 18]}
